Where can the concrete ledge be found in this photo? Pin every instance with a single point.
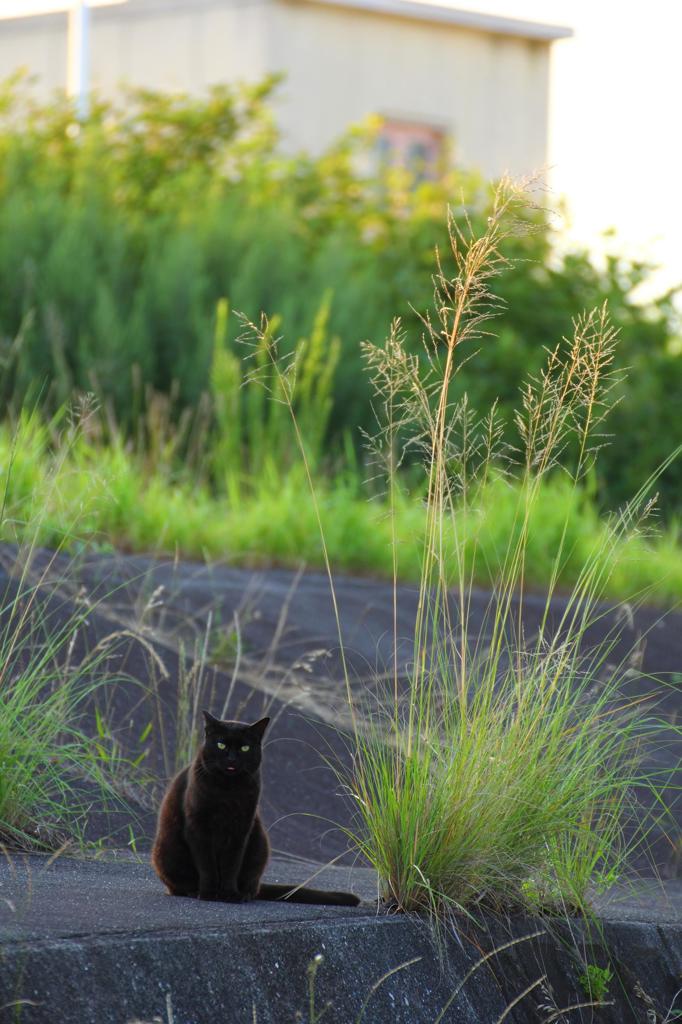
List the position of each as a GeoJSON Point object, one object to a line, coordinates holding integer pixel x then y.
{"type": "Point", "coordinates": [99, 943]}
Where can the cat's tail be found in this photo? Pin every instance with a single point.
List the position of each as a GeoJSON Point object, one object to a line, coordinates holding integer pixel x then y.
{"type": "Point", "coordinates": [292, 894]}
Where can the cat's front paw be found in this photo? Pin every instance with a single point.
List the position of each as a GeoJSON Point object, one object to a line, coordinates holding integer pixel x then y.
{"type": "Point", "coordinates": [208, 894]}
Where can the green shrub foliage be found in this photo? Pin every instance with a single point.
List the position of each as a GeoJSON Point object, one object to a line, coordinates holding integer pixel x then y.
{"type": "Point", "coordinates": [121, 237]}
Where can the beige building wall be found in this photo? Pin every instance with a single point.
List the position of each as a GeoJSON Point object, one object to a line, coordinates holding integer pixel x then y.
{"type": "Point", "coordinates": [37, 45]}
{"type": "Point", "coordinates": [179, 45]}
{"type": "Point", "coordinates": [488, 91]}
{"type": "Point", "coordinates": [162, 44]}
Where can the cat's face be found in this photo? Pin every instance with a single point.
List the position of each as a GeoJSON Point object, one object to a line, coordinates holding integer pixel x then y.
{"type": "Point", "coordinates": [232, 748]}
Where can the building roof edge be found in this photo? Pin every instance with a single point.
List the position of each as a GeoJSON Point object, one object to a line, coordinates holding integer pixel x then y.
{"type": "Point", "coordinates": [496, 24]}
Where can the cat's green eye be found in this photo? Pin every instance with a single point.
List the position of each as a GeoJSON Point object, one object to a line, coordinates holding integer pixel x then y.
{"type": "Point", "coordinates": [221, 746]}
{"type": "Point", "coordinates": [245, 748]}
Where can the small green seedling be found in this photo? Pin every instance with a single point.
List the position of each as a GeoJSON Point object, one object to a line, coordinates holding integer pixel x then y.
{"type": "Point", "coordinates": [595, 982]}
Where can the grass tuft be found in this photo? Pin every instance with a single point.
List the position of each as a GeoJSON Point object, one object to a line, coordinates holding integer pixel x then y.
{"type": "Point", "coordinates": [499, 769]}
{"type": "Point", "coordinates": [52, 770]}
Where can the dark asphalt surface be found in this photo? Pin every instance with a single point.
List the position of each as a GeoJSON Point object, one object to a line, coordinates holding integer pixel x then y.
{"type": "Point", "coordinates": [275, 641]}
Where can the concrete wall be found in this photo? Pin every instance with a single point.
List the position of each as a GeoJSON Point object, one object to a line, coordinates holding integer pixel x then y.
{"type": "Point", "coordinates": [488, 91]}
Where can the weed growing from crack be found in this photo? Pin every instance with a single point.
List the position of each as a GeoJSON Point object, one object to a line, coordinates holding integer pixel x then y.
{"type": "Point", "coordinates": [595, 981]}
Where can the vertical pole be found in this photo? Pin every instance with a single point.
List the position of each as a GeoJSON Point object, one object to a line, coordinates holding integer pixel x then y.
{"type": "Point", "coordinates": [78, 85]}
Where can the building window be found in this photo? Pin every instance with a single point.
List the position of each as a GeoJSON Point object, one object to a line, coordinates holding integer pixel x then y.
{"type": "Point", "coordinates": [411, 145]}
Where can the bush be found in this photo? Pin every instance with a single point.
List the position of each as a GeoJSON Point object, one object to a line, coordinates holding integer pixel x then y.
{"type": "Point", "coordinates": [120, 236]}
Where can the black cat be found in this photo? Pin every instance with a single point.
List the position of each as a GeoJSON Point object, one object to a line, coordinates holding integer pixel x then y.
{"type": "Point", "coordinates": [210, 841]}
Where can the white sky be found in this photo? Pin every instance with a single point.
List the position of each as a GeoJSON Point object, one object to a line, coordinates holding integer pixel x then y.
{"type": "Point", "coordinates": [615, 141]}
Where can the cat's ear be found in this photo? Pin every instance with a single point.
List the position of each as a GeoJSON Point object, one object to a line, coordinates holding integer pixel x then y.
{"type": "Point", "coordinates": [209, 720]}
{"type": "Point", "coordinates": [259, 727]}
